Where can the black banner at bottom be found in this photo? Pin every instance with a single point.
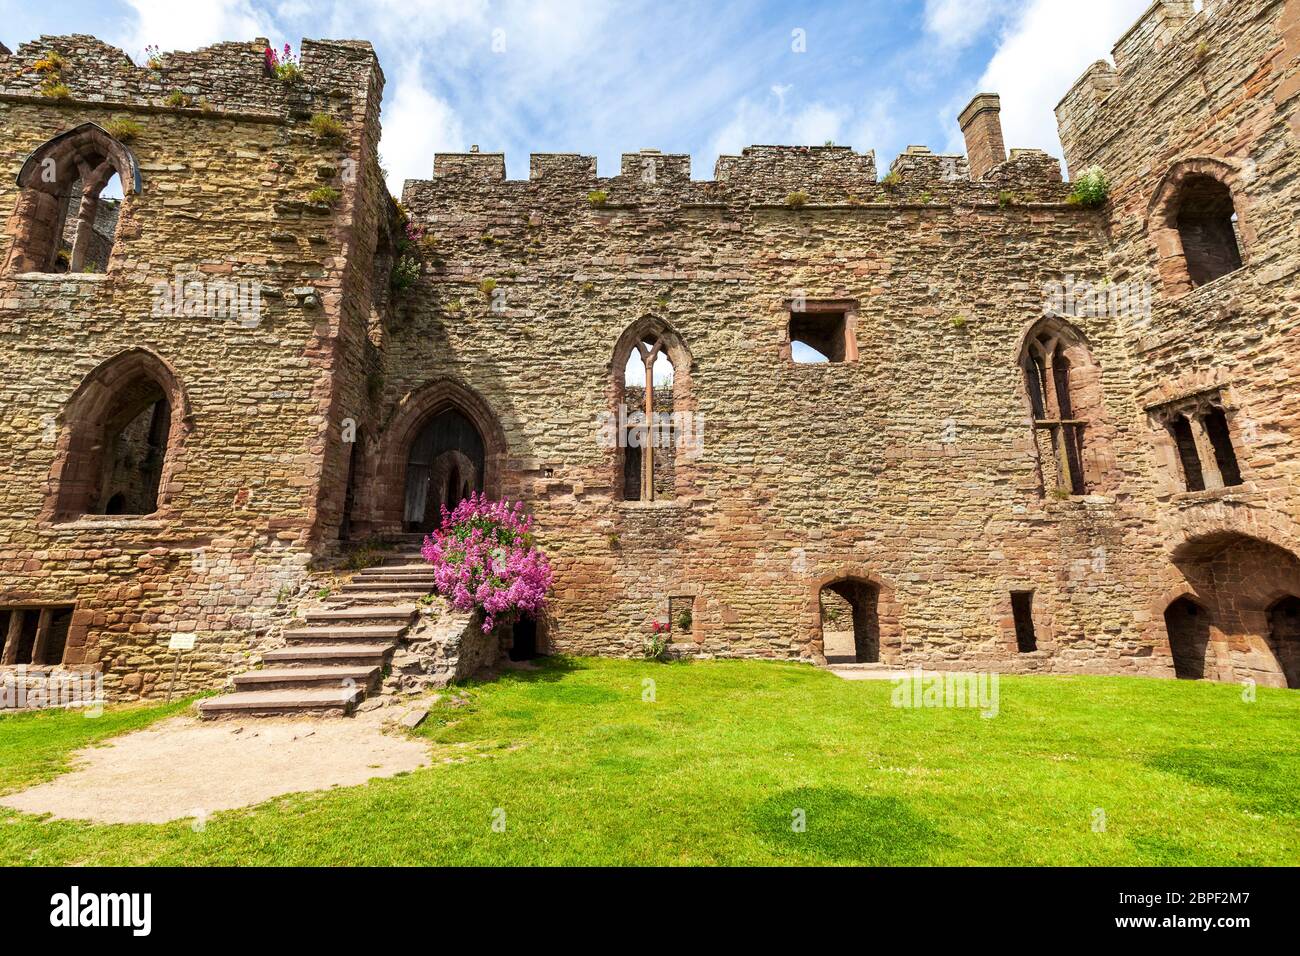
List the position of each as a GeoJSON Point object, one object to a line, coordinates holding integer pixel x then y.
{"type": "Point", "coordinates": [334, 905]}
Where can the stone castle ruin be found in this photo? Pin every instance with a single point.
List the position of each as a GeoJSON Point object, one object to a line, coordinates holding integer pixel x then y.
{"type": "Point", "coordinates": [1037, 435]}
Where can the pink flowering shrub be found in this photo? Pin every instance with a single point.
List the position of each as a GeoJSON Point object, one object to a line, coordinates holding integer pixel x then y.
{"type": "Point", "coordinates": [484, 559]}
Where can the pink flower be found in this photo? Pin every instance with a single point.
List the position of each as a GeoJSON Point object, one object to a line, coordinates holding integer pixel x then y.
{"type": "Point", "coordinates": [484, 559]}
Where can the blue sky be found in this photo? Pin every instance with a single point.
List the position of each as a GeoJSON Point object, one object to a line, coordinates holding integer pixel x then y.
{"type": "Point", "coordinates": [604, 77]}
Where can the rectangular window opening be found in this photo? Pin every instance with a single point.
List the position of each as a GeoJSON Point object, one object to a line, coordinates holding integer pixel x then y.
{"type": "Point", "coordinates": [1216, 428]}
{"type": "Point", "coordinates": [1022, 610]}
{"type": "Point", "coordinates": [818, 338]}
{"type": "Point", "coordinates": [34, 636]}
{"type": "Point", "coordinates": [1193, 478]}
{"type": "Point", "coordinates": [681, 615]}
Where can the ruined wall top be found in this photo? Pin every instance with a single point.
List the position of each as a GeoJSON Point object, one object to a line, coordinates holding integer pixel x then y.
{"type": "Point", "coordinates": [1169, 33]}
{"type": "Point", "coordinates": [225, 77]}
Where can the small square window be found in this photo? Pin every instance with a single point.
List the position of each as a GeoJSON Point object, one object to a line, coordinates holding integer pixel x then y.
{"type": "Point", "coordinates": [821, 333]}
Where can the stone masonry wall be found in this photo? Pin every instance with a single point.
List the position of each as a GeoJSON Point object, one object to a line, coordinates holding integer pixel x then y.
{"type": "Point", "coordinates": [912, 468]}
{"type": "Point", "coordinates": [1218, 91]}
{"type": "Point", "coordinates": [225, 184]}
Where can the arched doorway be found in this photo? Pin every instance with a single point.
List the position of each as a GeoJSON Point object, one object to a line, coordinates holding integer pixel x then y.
{"type": "Point", "coordinates": [850, 622]}
{"type": "Point", "coordinates": [1188, 627]}
{"type": "Point", "coordinates": [445, 463]}
{"type": "Point", "coordinates": [1244, 621]}
{"type": "Point", "coordinates": [1284, 636]}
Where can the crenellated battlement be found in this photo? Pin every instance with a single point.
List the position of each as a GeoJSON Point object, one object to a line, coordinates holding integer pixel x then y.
{"type": "Point", "coordinates": [760, 175]}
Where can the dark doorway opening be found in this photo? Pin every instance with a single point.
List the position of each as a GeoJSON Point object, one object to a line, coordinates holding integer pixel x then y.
{"type": "Point", "coordinates": [1284, 636]}
{"type": "Point", "coordinates": [523, 639]}
{"type": "Point", "coordinates": [444, 465]}
{"type": "Point", "coordinates": [1022, 610]}
{"type": "Point", "coordinates": [850, 622]}
{"type": "Point", "coordinates": [1188, 627]}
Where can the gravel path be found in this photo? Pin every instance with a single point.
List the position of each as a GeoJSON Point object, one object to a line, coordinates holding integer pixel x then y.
{"type": "Point", "coordinates": [183, 768]}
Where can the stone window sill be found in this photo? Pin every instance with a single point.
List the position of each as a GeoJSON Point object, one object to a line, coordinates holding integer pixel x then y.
{"type": "Point", "coordinates": [61, 276]}
{"type": "Point", "coordinates": [662, 504]}
{"type": "Point", "coordinates": [101, 523]}
{"type": "Point", "coordinates": [1211, 494]}
{"type": "Point", "coordinates": [1211, 288]}
{"type": "Point", "coordinates": [1081, 500]}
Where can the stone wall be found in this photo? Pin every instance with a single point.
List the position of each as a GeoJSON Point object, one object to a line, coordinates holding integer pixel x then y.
{"type": "Point", "coordinates": [1215, 93]}
{"type": "Point", "coordinates": [912, 468]}
{"type": "Point", "coordinates": [255, 456]}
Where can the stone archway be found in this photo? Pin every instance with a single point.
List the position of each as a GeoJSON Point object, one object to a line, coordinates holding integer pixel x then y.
{"type": "Point", "coordinates": [121, 440]}
{"type": "Point", "coordinates": [1188, 627]}
{"type": "Point", "coordinates": [1284, 637]}
{"type": "Point", "coordinates": [1247, 616]}
{"type": "Point", "coordinates": [865, 627]}
{"type": "Point", "coordinates": [437, 432]}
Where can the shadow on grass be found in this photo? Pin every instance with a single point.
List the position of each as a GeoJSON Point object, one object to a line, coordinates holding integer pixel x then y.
{"type": "Point", "coordinates": [845, 827]}
{"type": "Point", "coordinates": [1263, 783]}
{"type": "Point", "coordinates": [544, 670]}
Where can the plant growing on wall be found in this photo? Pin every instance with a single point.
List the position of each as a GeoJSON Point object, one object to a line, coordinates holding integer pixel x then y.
{"type": "Point", "coordinates": [406, 260]}
{"type": "Point", "coordinates": [52, 63]}
{"type": "Point", "coordinates": [327, 127]}
{"type": "Point", "coordinates": [656, 645]}
{"type": "Point", "coordinates": [598, 197]}
{"type": "Point", "coordinates": [796, 200]}
{"type": "Point", "coordinates": [1091, 189]}
{"type": "Point", "coordinates": [484, 560]}
{"type": "Point", "coordinates": [284, 66]}
{"type": "Point", "coordinates": [123, 130]}
{"type": "Point", "coordinates": [153, 58]}
{"type": "Point", "coordinates": [324, 195]}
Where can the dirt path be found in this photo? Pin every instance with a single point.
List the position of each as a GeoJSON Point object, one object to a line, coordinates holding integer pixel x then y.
{"type": "Point", "coordinates": [183, 768]}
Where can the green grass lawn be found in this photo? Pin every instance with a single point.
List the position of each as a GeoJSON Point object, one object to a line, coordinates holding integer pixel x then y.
{"type": "Point", "coordinates": [715, 768]}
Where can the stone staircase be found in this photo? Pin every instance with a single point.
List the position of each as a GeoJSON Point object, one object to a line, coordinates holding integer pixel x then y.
{"type": "Point", "coordinates": [331, 664]}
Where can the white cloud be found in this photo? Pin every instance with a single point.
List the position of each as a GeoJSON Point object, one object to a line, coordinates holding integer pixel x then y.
{"type": "Point", "coordinates": [956, 24]}
{"type": "Point", "coordinates": [172, 25]}
{"type": "Point", "coordinates": [417, 124]}
{"type": "Point", "coordinates": [1041, 55]}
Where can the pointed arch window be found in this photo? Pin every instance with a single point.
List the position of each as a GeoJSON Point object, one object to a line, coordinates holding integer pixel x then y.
{"type": "Point", "coordinates": [70, 201]}
{"type": "Point", "coordinates": [1063, 390]}
{"type": "Point", "coordinates": [119, 445]}
{"type": "Point", "coordinates": [655, 426]}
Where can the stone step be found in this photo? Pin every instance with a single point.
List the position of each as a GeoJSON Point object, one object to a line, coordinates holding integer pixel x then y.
{"type": "Point", "coordinates": [403, 557]}
{"type": "Point", "coordinates": [362, 655]}
{"type": "Point", "coordinates": [375, 597]}
{"type": "Point", "coordinates": [398, 572]}
{"type": "Point", "coordinates": [388, 614]}
{"type": "Point", "coordinates": [357, 634]}
{"type": "Point", "coordinates": [403, 585]}
{"type": "Point", "coordinates": [287, 678]}
{"type": "Point", "coordinates": [267, 703]}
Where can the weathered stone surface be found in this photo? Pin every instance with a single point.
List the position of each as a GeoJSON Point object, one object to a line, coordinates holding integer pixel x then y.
{"type": "Point", "coordinates": [913, 467]}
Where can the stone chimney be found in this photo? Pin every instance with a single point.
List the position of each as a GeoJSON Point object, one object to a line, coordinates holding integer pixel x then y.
{"type": "Point", "coordinates": [981, 124]}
